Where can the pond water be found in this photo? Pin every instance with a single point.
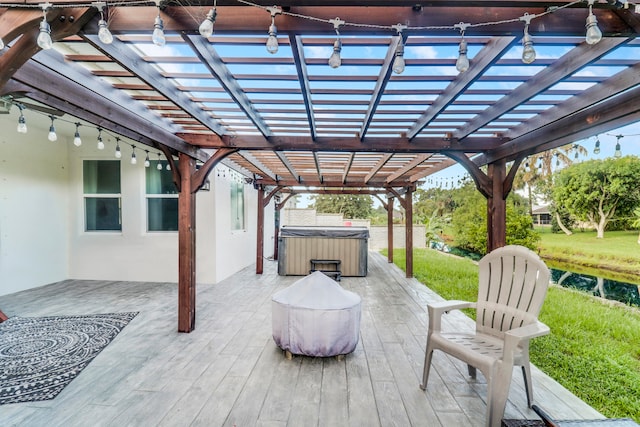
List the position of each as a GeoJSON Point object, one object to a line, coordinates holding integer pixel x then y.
{"type": "Point", "coordinates": [626, 293]}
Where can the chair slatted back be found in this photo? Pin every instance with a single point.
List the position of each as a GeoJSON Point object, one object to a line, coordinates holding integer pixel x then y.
{"type": "Point", "coordinates": [513, 283]}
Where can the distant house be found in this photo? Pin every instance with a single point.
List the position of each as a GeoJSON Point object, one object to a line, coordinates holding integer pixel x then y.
{"type": "Point", "coordinates": [541, 215]}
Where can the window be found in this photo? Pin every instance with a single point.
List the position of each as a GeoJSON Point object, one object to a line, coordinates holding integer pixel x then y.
{"type": "Point", "coordinates": [237, 205]}
{"type": "Point", "coordinates": [162, 198]}
{"type": "Point", "coordinates": [101, 188]}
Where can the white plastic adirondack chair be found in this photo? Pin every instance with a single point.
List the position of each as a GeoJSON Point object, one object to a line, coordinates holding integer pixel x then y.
{"type": "Point", "coordinates": [513, 282]}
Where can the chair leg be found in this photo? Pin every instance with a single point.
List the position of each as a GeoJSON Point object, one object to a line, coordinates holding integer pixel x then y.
{"type": "Point", "coordinates": [528, 386]}
{"type": "Point", "coordinates": [497, 392]}
{"type": "Point", "coordinates": [472, 371]}
{"type": "Point", "coordinates": [427, 366]}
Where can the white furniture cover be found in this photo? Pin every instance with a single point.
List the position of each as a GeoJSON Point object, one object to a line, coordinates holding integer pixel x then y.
{"type": "Point", "coordinates": [316, 317]}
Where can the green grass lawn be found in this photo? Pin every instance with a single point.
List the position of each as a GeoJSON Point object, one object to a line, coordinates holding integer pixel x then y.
{"type": "Point", "coordinates": [617, 252]}
{"type": "Point", "coordinates": [593, 349]}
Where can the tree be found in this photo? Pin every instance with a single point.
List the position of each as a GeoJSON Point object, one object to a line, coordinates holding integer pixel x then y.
{"type": "Point", "coordinates": [351, 206]}
{"type": "Point", "coordinates": [470, 221]}
{"type": "Point", "coordinates": [599, 190]}
{"type": "Point", "coordinates": [636, 222]}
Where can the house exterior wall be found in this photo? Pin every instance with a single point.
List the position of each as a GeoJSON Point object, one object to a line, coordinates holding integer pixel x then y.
{"type": "Point", "coordinates": [34, 223]}
{"type": "Point", "coordinates": [42, 237]}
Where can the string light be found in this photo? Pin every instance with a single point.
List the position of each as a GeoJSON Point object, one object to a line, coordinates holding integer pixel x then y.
{"type": "Point", "coordinates": [206, 28]}
{"type": "Point", "coordinates": [100, 143]}
{"type": "Point", "coordinates": [44, 36]}
{"type": "Point", "coordinates": [594, 35]}
{"type": "Point", "coordinates": [168, 166]}
{"type": "Point", "coordinates": [462, 63]}
{"type": "Point", "coordinates": [77, 141]}
{"type": "Point", "coordinates": [22, 122]}
{"type": "Point", "coordinates": [398, 61]}
{"type": "Point", "coordinates": [147, 162]}
{"type": "Point", "coordinates": [118, 152]}
{"type": "Point", "coordinates": [158, 37]}
{"type": "Point", "coordinates": [159, 166]}
{"type": "Point", "coordinates": [596, 149]}
{"type": "Point", "coordinates": [52, 136]}
{"type": "Point", "coordinates": [335, 60]}
{"type": "Point", "coordinates": [104, 34]}
{"type": "Point", "coordinates": [618, 152]}
{"type": "Point", "coordinates": [272, 40]}
{"type": "Point", "coordinates": [528, 52]}
{"type": "Point", "coordinates": [134, 159]}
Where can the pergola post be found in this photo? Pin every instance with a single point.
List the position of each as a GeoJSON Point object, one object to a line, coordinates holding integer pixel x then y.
{"type": "Point", "coordinates": [186, 246]}
{"type": "Point", "coordinates": [496, 207]}
{"type": "Point", "coordinates": [409, 231]}
{"type": "Point", "coordinates": [276, 231]}
{"type": "Point", "coordinates": [390, 202]}
{"type": "Point", "coordinates": [260, 232]}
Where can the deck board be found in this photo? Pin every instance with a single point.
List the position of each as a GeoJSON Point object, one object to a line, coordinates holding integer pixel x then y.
{"type": "Point", "coordinates": [229, 371]}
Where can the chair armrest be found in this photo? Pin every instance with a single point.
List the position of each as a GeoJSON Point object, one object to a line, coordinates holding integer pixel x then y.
{"type": "Point", "coordinates": [437, 309]}
{"type": "Point", "coordinates": [513, 337]}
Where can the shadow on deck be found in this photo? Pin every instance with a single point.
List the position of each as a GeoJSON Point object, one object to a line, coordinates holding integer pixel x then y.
{"type": "Point", "coordinates": [229, 372]}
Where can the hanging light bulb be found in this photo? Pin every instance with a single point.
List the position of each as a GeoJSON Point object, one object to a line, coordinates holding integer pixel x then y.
{"type": "Point", "coordinates": [528, 52]}
{"type": "Point", "coordinates": [147, 162]}
{"type": "Point", "coordinates": [134, 160]}
{"type": "Point", "coordinates": [22, 122]}
{"type": "Point", "coordinates": [158, 37]}
{"type": "Point", "coordinates": [52, 136]}
{"type": "Point", "coordinates": [594, 35]}
{"type": "Point", "coordinates": [335, 60]}
{"type": "Point", "coordinates": [44, 36]}
{"type": "Point", "coordinates": [398, 61]}
{"type": "Point", "coordinates": [206, 28]}
{"type": "Point", "coordinates": [462, 63]}
{"type": "Point", "coordinates": [526, 167]}
{"type": "Point", "coordinates": [168, 166]}
{"type": "Point", "coordinates": [100, 143]}
{"type": "Point", "coordinates": [577, 153]}
{"type": "Point", "coordinates": [596, 149]}
{"type": "Point", "coordinates": [118, 152]}
{"type": "Point", "coordinates": [77, 141]}
{"type": "Point", "coordinates": [104, 34]}
{"type": "Point", "coordinates": [618, 153]}
{"type": "Point", "coordinates": [159, 166]}
{"type": "Point", "coordinates": [272, 41]}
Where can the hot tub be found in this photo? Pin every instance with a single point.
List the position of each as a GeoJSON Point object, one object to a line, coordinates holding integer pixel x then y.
{"type": "Point", "coordinates": [297, 246]}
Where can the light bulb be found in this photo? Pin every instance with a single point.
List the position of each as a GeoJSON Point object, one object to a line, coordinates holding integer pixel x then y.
{"type": "Point", "coordinates": [100, 143]}
{"type": "Point", "coordinates": [53, 137]}
{"type": "Point", "coordinates": [272, 41]}
{"type": "Point", "coordinates": [158, 32]}
{"type": "Point", "coordinates": [1, 44]}
{"type": "Point", "coordinates": [596, 149]}
{"type": "Point", "coordinates": [528, 52]}
{"type": "Point", "coordinates": [618, 152]}
{"type": "Point", "coordinates": [462, 64]}
{"type": "Point", "coordinates": [168, 167]}
{"type": "Point", "coordinates": [206, 28]}
{"type": "Point", "coordinates": [104, 34]}
{"type": "Point", "coordinates": [22, 124]}
{"type": "Point", "coordinates": [77, 141]}
{"type": "Point", "coordinates": [147, 162]}
{"type": "Point", "coordinates": [398, 62]}
{"type": "Point", "coordinates": [594, 35]}
{"type": "Point", "coordinates": [159, 167]}
{"type": "Point", "coordinates": [335, 61]}
{"type": "Point", "coordinates": [44, 37]}
{"type": "Point", "coordinates": [118, 152]}
{"type": "Point", "coordinates": [134, 160]}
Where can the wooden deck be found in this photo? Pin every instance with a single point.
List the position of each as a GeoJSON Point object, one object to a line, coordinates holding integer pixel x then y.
{"type": "Point", "coordinates": [229, 372]}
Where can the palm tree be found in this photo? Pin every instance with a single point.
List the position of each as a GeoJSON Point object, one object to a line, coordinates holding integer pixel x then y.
{"type": "Point", "coordinates": [539, 168]}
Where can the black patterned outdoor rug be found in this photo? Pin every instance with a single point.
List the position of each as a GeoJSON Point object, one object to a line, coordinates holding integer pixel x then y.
{"type": "Point", "coordinates": [40, 356]}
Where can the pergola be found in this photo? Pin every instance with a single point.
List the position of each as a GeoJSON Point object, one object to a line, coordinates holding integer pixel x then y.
{"type": "Point", "coordinates": [294, 124]}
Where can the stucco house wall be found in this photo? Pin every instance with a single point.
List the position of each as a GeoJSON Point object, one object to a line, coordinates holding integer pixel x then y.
{"type": "Point", "coordinates": [42, 237]}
